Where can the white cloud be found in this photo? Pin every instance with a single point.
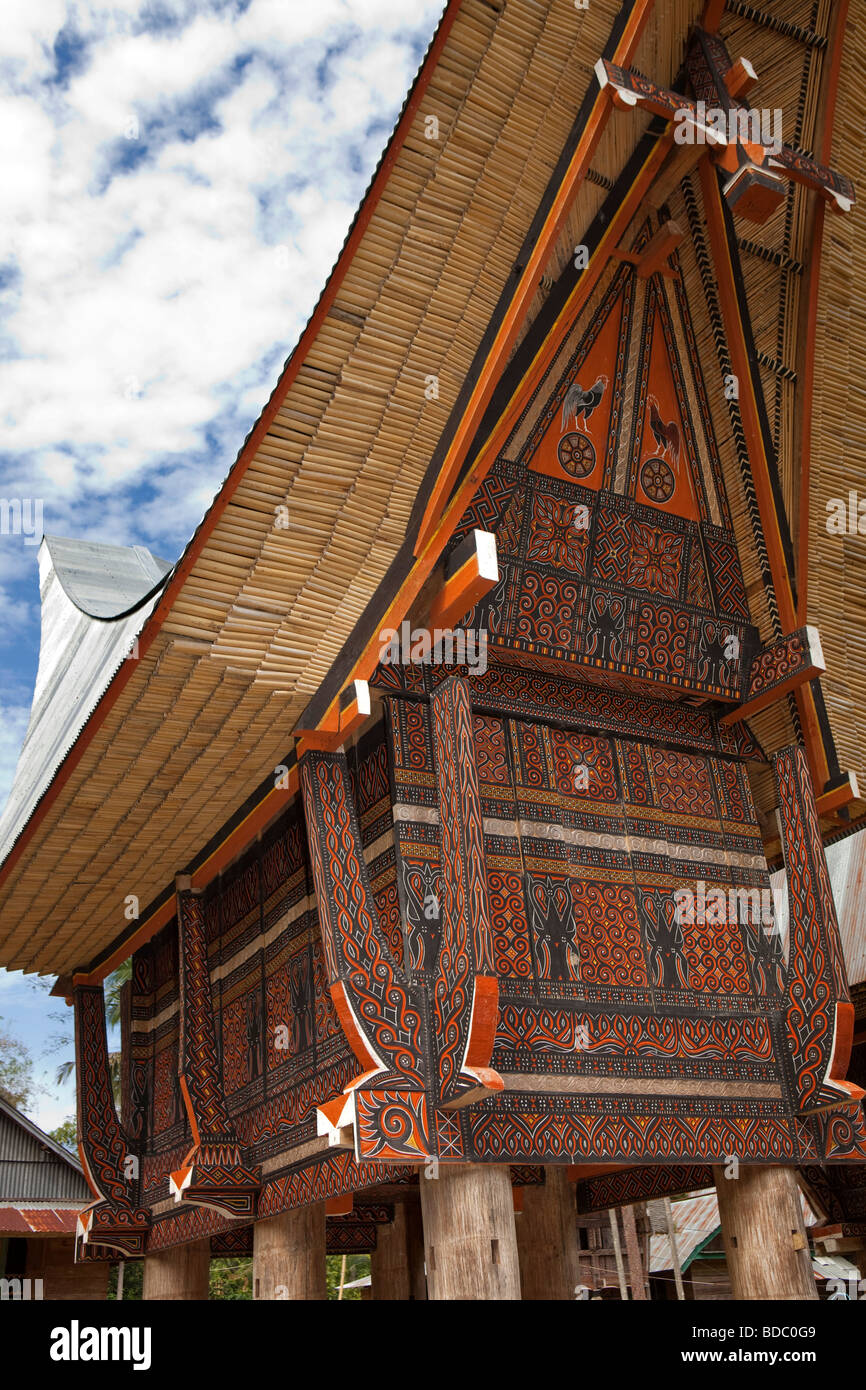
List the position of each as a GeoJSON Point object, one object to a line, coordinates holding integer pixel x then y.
{"type": "Point", "coordinates": [160, 281]}
{"type": "Point", "coordinates": [13, 725]}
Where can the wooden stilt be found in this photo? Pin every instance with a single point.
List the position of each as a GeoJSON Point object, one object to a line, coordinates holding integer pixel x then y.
{"type": "Point", "coordinates": [397, 1263]}
{"type": "Point", "coordinates": [675, 1254]}
{"type": "Point", "coordinates": [389, 1262]}
{"type": "Point", "coordinates": [547, 1238]}
{"type": "Point", "coordinates": [180, 1274]}
{"type": "Point", "coordinates": [415, 1247]}
{"type": "Point", "coordinates": [617, 1252]}
{"type": "Point", "coordinates": [289, 1254]}
{"type": "Point", "coordinates": [764, 1236]}
{"type": "Point", "coordinates": [470, 1243]}
{"type": "Point", "coordinates": [635, 1263]}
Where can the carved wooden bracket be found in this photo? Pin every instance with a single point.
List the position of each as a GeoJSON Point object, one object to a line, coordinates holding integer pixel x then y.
{"type": "Point", "coordinates": [110, 1163]}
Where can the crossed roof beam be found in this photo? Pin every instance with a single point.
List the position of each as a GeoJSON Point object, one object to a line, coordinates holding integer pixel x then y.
{"type": "Point", "coordinates": [734, 135]}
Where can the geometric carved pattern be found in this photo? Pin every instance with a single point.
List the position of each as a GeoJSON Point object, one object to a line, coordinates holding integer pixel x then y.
{"type": "Point", "coordinates": [466, 990]}
{"type": "Point", "coordinates": [115, 1219]}
{"type": "Point", "coordinates": [213, 1172]}
{"type": "Point", "coordinates": [820, 1014]}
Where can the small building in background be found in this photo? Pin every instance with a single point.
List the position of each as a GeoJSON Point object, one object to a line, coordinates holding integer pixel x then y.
{"type": "Point", "coordinates": [42, 1191]}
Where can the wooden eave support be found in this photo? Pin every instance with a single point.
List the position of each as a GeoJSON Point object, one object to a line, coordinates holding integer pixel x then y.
{"type": "Point", "coordinates": [811, 665]}
{"type": "Point", "coordinates": [847, 791]}
{"type": "Point", "coordinates": [471, 572]}
{"type": "Point", "coordinates": [342, 720]}
{"type": "Point", "coordinates": [740, 78]}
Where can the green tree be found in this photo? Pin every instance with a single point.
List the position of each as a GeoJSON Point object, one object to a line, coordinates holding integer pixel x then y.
{"type": "Point", "coordinates": [66, 1134]}
{"type": "Point", "coordinates": [231, 1278]}
{"type": "Point", "coordinates": [357, 1266]}
{"type": "Point", "coordinates": [17, 1086]}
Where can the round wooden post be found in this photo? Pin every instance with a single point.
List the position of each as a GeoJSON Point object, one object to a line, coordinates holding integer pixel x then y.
{"type": "Point", "coordinates": [763, 1233]}
{"type": "Point", "coordinates": [289, 1254]}
{"type": "Point", "coordinates": [179, 1274]}
{"type": "Point", "coordinates": [470, 1243]}
{"type": "Point", "coordinates": [397, 1263]}
{"type": "Point", "coordinates": [547, 1238]}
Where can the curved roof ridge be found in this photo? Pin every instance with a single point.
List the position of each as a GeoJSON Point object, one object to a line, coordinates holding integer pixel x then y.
{"type": "Point", "coordinates": [106, 582]}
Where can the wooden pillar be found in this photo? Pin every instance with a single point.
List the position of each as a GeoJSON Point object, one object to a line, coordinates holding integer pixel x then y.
{"type": "Point", "coordinates": [635, 1262]}
{"type": "Point", "coordinates": [289, 1254]}
{"type": "Point", "coordinates": [763, 1233]}
{"type": "Point", "coordinates": [470, 1243]}
{"type": "Point", "coordinates": [415, 1247]}
{"type": "Point", "coordinates": [179, 1274]}
{"type": "Point", "coordinates": [394, 1262]}
{"type": "Point", "coordinates": [547, 1238]}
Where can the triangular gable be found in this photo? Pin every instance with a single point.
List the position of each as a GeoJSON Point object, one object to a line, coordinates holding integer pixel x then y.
{"type": "Point", "coordinates": [618, 561]}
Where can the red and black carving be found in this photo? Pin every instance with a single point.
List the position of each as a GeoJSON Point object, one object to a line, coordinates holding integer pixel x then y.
{"type": "Point", "coordinates": [213, 1173]}
{"type": "Point", "coordinates": [820, 1015]}
{"type": "Point", "coordinates": [465, 990]}
{"type": "Point", "coordinates": [110, 1162]}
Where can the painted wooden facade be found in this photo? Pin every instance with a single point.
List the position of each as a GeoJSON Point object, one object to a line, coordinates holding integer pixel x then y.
{"type": "Point", "coordinates": [507, 900]}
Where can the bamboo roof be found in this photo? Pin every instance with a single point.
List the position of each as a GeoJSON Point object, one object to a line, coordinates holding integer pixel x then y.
{"type": "Point", "coordinates": [255, 615]}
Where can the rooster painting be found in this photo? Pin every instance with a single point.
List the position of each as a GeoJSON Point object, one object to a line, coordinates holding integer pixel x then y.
{"type": "Point", "coordinates": [579, 403]}
{"type": "Point", "coordinates": [667, 436]}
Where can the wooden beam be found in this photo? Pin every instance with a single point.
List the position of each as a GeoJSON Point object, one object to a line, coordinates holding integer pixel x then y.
{"type": "Point", "coordinates": [847, 791]}
{"type": "Point", "coordinates": [342, 720]}
{"type": "Point", "coordinates": [749, 410]}
{"type": "Point", "coordinates": [740, 78]}
{"type": "Point", "coordinates": [654, 257]}
{"type": "Point", "coordinates": [778, 669]}
{"type": "Point", "coordinates": [527, 285]}
{"type": "Point", "coordinates": [471, 572]}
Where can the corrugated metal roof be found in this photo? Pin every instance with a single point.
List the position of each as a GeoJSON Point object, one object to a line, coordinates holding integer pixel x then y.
{"type": "Point", "coordinates": [106, 581]}
{"type": "Point", "coordinates": [95, 601]}
{"type": "Point", "coordinates": [52, 1221]}
{"type": "Point", "coordinates": [696, 1220]}
{"type": "Point", "coordinates": [33, 1167]}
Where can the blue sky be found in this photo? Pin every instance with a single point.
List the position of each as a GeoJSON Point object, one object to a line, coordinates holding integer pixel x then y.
{"type": "Point", "coordinates": [179, 176]}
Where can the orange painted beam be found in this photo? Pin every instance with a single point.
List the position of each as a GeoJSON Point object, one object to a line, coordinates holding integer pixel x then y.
{"type": "Point", "coordinates": [839, 796]}
{"type": "Point", "coordinates": [475, 572]}
{"type": "Point", "coordinates": [748, 404]}
{"type": "Point", "coordinates": [497, 357]}
{"type": "Point", "coordinates": [340, 1206]}
{"type": "Point", "coordinates": [660, 246]}
{"type": "Point", "coordinates": [712, 15]}
{"type": "Point", "coordinates": [342, 720]}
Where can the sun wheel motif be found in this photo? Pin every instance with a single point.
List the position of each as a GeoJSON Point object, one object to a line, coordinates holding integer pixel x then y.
{"type": "Point", "coordinates": [657, 480]}
{"type": "Point", "coordinates": [576, 454]}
